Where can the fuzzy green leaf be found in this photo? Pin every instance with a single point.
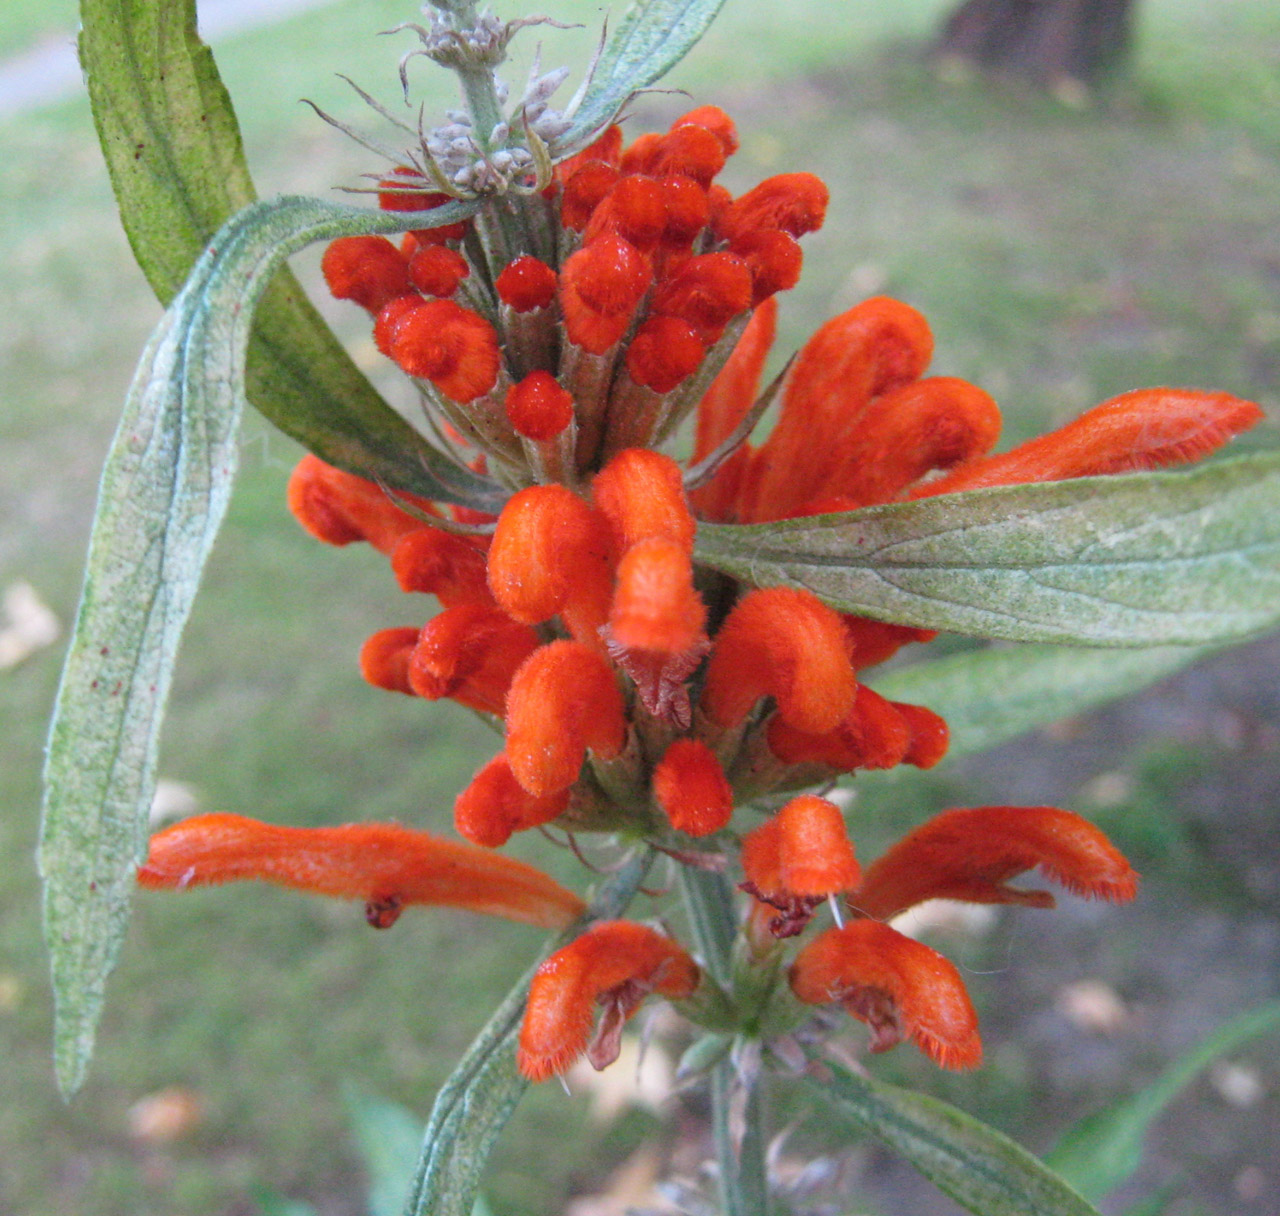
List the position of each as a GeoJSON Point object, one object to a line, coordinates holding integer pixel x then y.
{"type": "Point", "coordinates": [173, 149]}
{"type": "Point", "coordinates": [163, 494]}
{"type": "Point", "coordinates": [1104, 1150]}
{"type": "Point", "coordinates": [992, 695]}
{"type": "Point", "coordinates": [1148, 559]}
{"type": "Point", "coordinates": [976, 1165]}
{"type": "Point", "coordinates": [653, 36]}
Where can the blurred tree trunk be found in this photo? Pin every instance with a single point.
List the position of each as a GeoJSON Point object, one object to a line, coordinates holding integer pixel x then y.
{"type": "Point", "coordinates": [1042, 39]}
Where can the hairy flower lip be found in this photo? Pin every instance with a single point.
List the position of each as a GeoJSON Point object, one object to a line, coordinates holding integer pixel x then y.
{"type": "Point", "coordinates": [384, 864]}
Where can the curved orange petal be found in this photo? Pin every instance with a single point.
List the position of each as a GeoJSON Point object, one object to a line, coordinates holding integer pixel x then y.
{"type": "Point", "coordinates": [384, 864]}
{"type": "Point", "coordinates": [970, 854]}
{"type": "Point", "coordinates": [899, 987]}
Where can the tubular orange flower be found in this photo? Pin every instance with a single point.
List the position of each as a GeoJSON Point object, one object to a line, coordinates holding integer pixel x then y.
{"type": "Point", "coordinates": [707, 292]}
{"type": "Point", "coordinates": [1145, 429]}
{"type": "Point", "coordinates": [796, 859]}
{"type": "Point", "coordinates": [872, 735]}
{"type": "Point", "coordinates": [339, 508]}
{"type": "Point", "coordinates": [971, 854]}
{"type": "Point", "coordinates": [584, 190]}
{"type": "Point", "coordinates": [538, 408]}
{"type": "Point", "coordinates": [784, 643]}
{"type": "Point", "coordinates": [615, 964]}
{"type": "Point", "coordinates": [655, 606]}
{"type": "Point", "coordinates": [387, 866]}
{"type": "Point", "coordinates": [641, 494]}
{"type": "Point", "coordinates": [898, 986]}
{"type": "Point", "coordinates": [562, 702]}
{"type": "Point", "coordinates": [691, 788]}
{"type": "Point", "coordinates": [384, 659]}
{"type": "Point", "coordinates": [436, 270]}
{"type": "Point", "coordinates": [551, 554]}
{"type": "Point", "coordinates": [451, 346]}
{"type": "Point", "coordinates": [664, 353]}
{"type": "Point", "coordinates": [526, 284]}
{"type": "Point", "coordinates": [495, 805]}
{"type": "Point", "coordinates": [443, 565]}
{"type": "Point", "coordinates": [794, 202]}
{"type": "Point", "coordinates": [369, 270]}
{"type": "Point", "coordinates": [600, 286]}
{"type": "Point", "coordinates": [470, 653]}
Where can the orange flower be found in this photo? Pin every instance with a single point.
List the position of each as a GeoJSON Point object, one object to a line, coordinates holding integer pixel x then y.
{"type": "Point", "coordinates": [971, 854]}
{"type": "Point", "coordinates": [387, 866]}
{"type": "Point", "coordinates": [898, 986]}
{"type": "Point", "coordinates": [615, 964]}
{"type": "Point", "coordinates": [796, 859]}
{"type": "Point", "coordinates": [691, 788]}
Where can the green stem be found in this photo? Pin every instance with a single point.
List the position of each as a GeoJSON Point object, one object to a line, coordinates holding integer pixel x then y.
{"type": "Point", "coordinates": [744, 1188]}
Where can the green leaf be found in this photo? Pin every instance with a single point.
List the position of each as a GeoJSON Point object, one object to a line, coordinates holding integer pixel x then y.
{"type": "Point", "coordinates": [977, 1166]}
{"type": "Point", "coordinates": [270, 1203]}
{"type": "Point", "coordinates": [992, 695]}
{"type": "Point", "coordinates": [163, 494]}
{"type": "Point", "coordinates": [388, 1136]}
{"type": "Point", "coordinates": [1103, 1150]}
{"type": "Point", "coordinates": [653, 36]}
{"type": "Point", "coordinates": [173, 149]}
{"type": "Point", "coordinates": [1146, 559]}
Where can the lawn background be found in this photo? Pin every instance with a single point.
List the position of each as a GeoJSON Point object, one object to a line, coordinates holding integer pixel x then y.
{"type": "Point", "coordinates": [1062, 254]}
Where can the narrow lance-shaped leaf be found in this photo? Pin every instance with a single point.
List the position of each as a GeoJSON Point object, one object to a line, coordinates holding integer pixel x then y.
{"type": "Point", "coordinates": [1104, 1150]}
{"type": "Point", "coordinates": [173, 149]}
{"type": "Point", "coordinates": [1141, 560]}
{"type": "Point", "coordinates": [653, 36]}
{"type": "Point", "coordinates": [992, 695]}
{"type": "Point", "coordinates": [976, 1165]}
{"type": "Point", "coordinates": [164, 491]}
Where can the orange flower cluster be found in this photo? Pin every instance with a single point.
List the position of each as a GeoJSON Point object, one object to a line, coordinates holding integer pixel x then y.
{"type": "Point", "coordinates": [639, 693]}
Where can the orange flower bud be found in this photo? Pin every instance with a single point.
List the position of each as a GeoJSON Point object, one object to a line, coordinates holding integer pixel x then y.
{"type": "Point", "coordinates": [971, 854]}
{"type": "Point", "coordinates": [794, 202]}
{"type": "Point", "coordinates": [453, 347]}
{"type": "Point", "coordinates": [876, 346]}
{"type": "Point", "coordinates": [562, 702]}
{"type": "Point", "coordinates": [470, 653]}
{"type": "Point", "coordinates": [873, 735]}
{"type": "Point", "coordinates": [1145, 429]}
{"type": "Point", "coordinates": [691, 788]}
{"type": "Point", "coordinates": [495, 805]}
{"type": "Point", "coordinates": [615, 964]}
{"type": "Point", "coordinates": [641, 493]}
{"type": "Point", "coordinates": [715, 120]}
{"type": "Point", "coordinates": [389, 316]}
{"type": "Point", "coordinates": [436, 270]}
{"type": "Point", "coordinates": [692, 150]}
{"type": "Point", "coordinates": [930, 735]}
{"type": "Point", "coordinates": [367, 269]}
{"type": "Point", "coordinates": [909, 431]}
{"type": "Point", "coordinates": [441, 564]}
{"type": "Point", "coordinates": [526, 284]}
{"type": "Point", "coordinates": [338, 507]}
{"type": "Point", "coordinates": [638, 158]}
{"type": "Point", "coordinates": [655, 606]}
{"type": "Point", "coordinates": [774, 260]}
{"type": "Point", "coordinates": [635, 209]}
{"type": "Point", "coordinates": [785, 643]}
{"type": "Point", "coordinates": [584, 191]}
{"type": "Point", "coordinates": [707, 292]}
{"type": "Point", "coordinates": [664, 353]}
{"type": "Point", "coordinates": [798, 858]}
{"type": "Point", "coordinates": [600, 287]}
{"type": "Point", "coordinates": [387, 866]}
{"type": "Point", "coordinates": [875, 641]}
{"type": "Point", "coordinates": [898, 986]}
{"type": "Point", "coordinates": [384, 659]}
{"type": "Point", "coordinates": [551, 554]}
{"type": "Point", "coordinates": [606, 147]}
{"type": "Point", "coordinates": [687, 210]}
{"type": "Point", "coordinates": [538, 408]}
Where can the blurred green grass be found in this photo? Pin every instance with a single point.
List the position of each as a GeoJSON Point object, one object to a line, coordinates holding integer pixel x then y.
{"type": "Point", "coordinates": [1061, 256]}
